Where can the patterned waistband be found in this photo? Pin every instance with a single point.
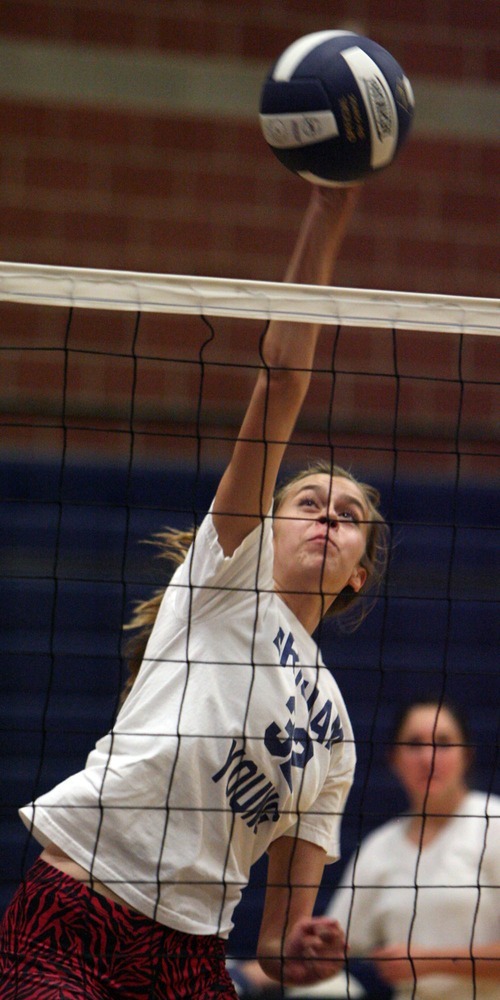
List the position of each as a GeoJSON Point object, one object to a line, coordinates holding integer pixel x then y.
{"type": "Point", "coordinates": [50, 891]}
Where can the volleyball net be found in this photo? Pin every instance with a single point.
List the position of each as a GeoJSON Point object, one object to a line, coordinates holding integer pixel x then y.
{"type": "Point", "coordinates": [121, 397]}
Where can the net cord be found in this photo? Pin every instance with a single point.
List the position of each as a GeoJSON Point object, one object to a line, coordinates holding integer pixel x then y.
{"type": "Point", "coordinates": [89, 288]}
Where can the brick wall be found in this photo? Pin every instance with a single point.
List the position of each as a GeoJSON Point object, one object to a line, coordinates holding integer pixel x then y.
{"type": "Point", "coordinates": [115, 185]}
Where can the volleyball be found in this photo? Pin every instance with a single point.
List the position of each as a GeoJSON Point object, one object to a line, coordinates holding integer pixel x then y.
{"type": "Point", "coordinates": [336, 107]}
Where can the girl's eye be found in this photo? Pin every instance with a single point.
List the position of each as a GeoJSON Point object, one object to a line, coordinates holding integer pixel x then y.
{"type": "Point", "coordinates": [349, 515]}
{"type": "Point", "coordinates": [307, 502]}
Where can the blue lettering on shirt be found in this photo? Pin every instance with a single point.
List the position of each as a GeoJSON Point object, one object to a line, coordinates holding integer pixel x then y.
{"type": "Point", "coordinates": [286, 649]}
{"type": "Point", "coordinates": [249, 792]}
{"type": "Point", "coordinates": [293, 744]}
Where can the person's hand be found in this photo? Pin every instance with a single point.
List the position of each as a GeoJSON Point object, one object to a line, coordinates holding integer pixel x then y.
{"type": "Point", "coordinates": [332, 199]}
{"type": "Point", "coordinates": [314, 949]}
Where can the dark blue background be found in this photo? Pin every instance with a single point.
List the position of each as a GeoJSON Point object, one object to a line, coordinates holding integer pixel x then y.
{"type": "Point", "coordinates": [72, 564]}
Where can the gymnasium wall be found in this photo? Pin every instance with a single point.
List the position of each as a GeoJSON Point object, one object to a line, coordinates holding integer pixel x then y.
{"type": "Point", "coordinates": [130, 140]}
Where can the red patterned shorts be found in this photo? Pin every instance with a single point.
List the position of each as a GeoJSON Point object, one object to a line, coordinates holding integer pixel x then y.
{"type": "Point", "coordinates": [59, 940]}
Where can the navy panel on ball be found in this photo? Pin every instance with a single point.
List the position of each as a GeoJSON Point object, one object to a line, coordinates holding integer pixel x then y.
{"type": "Point", "coordinates": [336, 107]}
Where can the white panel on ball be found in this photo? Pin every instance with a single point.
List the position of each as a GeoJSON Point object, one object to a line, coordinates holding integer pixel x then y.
{"type": "Point", "coordinates": [379, 104]}
{"type": "Point", "coordinates": [294, 130]}
{"type": "Point", "coordinates": [297, 51]}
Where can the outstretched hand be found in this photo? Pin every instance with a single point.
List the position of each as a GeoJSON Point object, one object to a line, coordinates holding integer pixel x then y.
{"type": "Point", "coordinates": [314, 949]}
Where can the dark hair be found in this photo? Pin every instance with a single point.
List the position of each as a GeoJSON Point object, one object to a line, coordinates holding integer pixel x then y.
{"type": "Point", "coordinates": [376, 554]}
{"type": "Point", "coordinates": [438, 702]}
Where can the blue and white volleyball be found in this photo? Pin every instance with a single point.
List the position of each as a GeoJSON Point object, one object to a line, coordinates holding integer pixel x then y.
{"type": "Point", "coordinates": [336, 107]}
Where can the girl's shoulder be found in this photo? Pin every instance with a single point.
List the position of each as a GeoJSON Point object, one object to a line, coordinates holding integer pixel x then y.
{"type": "Point", "coordinates": [480, 803]}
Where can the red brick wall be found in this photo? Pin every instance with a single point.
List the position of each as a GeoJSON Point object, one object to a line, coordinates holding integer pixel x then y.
{"type": "Point", "coordinates": [137, 189]}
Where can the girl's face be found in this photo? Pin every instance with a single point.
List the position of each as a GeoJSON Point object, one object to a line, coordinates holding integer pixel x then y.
{"type": "Point", "coordinates": [429, 758]}
{"type": "Point", "coordinates": [320, 536]}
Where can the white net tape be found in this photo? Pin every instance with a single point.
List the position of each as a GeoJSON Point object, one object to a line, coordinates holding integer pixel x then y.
{"type": "Point", "coordinates": [181, 294]}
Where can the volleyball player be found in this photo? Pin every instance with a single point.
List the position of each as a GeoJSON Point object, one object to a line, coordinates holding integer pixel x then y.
{"type": "Point", "coordinates": [420, 898]}
{"type": "Point", "coordinates": [233, 740]}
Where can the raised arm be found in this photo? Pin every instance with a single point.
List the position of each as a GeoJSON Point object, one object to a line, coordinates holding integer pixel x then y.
{"type": "Point", "coordinates": [247, 486]}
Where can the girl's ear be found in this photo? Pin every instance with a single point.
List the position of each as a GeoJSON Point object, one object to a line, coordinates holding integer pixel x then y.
{"type": "Point", "coordinates": [357, 578]}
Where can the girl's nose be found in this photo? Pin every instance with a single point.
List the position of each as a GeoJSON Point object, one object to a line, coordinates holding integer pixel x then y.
{"type": "Point", "coordinates": [330, 519]}
{"type": "Point", "coordinates": [427, 753]}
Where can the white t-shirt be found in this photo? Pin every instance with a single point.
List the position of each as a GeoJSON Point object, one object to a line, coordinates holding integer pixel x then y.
{"type": "Point", "coordinates": [234, 734]}
{"type": "Point", "coordinates": [445, 895]}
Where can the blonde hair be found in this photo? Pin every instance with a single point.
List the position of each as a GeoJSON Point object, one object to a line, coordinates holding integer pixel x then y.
{"type": "Point", "coordinates": [174, 544]}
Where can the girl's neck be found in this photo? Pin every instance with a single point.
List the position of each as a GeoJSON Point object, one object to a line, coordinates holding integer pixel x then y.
{"type": "Point", "coordinates": [310, 609]}
{"type": "Point", "coordinates": [306, 609]}
{"type": "Point", "coordinates": [425, 825]}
